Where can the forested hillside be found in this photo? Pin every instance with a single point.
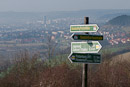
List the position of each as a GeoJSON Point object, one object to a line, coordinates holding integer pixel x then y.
{"type": "Point", "coordinates": [123, 20]}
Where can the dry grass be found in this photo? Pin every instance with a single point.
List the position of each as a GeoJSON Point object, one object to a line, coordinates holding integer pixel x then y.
{"type": "Point", "coordinates": [30, 72]}
{"type": "Point", "coordinates": [114, 72]}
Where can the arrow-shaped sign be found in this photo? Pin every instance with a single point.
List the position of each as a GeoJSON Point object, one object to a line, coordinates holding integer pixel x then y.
{"type": "Point", "coordinates": [87, 37]}
{"type": "Point", "coordinates": [85, 47]}
{"type": "Point", "coordinates": [85, 58]}
{"type": "Point", "coordinates": [84, 28]}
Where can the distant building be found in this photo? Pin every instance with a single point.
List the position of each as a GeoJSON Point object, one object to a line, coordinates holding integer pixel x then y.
{"type": "Point", "coordinates": [55, 33]}
{"type": "Point", "coordinates": [45, 20]}
{"type": "Point", "coordinates": [53, 38]}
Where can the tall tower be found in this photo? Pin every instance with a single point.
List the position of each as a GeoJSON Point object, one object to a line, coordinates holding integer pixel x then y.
{"type": "Point", "coordinates": [44, 20]}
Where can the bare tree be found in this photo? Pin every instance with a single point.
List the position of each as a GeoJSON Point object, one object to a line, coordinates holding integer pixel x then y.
{"type": "Point", "coordinates": [51, 46]}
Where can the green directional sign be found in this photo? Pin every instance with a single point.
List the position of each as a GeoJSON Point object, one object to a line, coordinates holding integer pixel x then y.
{"type": "Point", "coordinates": [84, 28]}
{"type": "Point", "coordinates": [87, 37]}
{"type": "Point", "coordinates": [85, 58]}
{"type": "Point", "coordinates": [85, 47]}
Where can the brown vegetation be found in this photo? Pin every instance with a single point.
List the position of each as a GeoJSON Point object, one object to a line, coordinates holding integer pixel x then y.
{"type": "Point", "coordinates": [32, 72]}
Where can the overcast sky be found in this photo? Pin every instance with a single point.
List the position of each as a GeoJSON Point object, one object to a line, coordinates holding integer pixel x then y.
{"type": "Point", "coordinates": [61, 5]}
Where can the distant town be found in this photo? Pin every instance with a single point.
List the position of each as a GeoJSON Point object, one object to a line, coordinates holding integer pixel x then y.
{"type": "Point", "coordinates": [58, 29]}
{"type": "Point", "coordinates": [33, 35]}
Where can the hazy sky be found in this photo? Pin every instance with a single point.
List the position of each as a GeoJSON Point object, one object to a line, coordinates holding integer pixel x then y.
{"type": "Point", "coordinates": [61, 5]}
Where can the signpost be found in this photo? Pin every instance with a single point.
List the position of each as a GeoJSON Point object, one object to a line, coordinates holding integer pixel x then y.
{"type": "Point", "coordinates": [84, 28]}
{"type": "Point", "coordinates": [87, 37]}
{"type": "Point", "coordinates": [85, 52]}
{"type": "Point", "coordinates": [85, 47]}
{"type": "Point", "coordinates": [85, 58]}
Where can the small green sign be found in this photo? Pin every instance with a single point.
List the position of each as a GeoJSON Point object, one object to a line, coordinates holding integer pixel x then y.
{"type": "Point", "coordinates": [87, 37]}
{"type": "Point", "coordinates": [84, 28]}
{"type": "Point", "coordinates": [85, 47]}
{"type": "Point", "coordinates": [85, 58]}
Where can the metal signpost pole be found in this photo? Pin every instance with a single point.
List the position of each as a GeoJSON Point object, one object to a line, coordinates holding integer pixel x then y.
{"type": "Point", "coordinates": [85, 66]}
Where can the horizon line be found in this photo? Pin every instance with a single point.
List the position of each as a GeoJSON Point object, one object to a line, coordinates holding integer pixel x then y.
{"type": "Point", "coordinates": [62, 11]}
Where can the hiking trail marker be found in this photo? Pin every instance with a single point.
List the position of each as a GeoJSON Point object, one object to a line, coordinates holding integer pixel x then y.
{"type": "Point", "coordinates": [85, 58]}
{"type": "Point", "coordinates": [85, 52]}
{"type": "Point", "coordinates": [86, 37]}
{"type": "Point", "coordinates": [84, 28]}
{"type": "Point", "coordinates": [85, 47]}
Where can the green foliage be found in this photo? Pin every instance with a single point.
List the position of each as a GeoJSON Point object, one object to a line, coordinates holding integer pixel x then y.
{"type": "Point", "coordinates": [4, 73]}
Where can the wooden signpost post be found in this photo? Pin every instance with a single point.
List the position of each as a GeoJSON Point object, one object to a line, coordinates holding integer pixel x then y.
{"type": "Point", "coordinates": [85, 52]}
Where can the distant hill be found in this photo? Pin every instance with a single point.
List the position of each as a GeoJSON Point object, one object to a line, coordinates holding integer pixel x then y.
{"type": "Point", "coordinates": [123, 20]}
{"type": "Point", "coordinates": [95, 15]}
